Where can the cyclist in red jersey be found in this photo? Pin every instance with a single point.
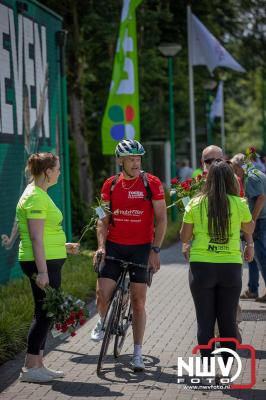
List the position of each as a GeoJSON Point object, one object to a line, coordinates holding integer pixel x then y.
{"type": "Point", "coordinates": [129, 233]}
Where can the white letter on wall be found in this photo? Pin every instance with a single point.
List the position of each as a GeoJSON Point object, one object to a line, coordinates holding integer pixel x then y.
{"type": "Point", "coordinates": [6, 110]}
{"type": "Point", "coordinates": [17, 66]}
{"type": "Point", "coordinates": [29, 65]}
{"type": "Point", "coordinates": [41, 72]}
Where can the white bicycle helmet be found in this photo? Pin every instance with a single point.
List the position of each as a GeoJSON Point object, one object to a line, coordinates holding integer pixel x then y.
{"type": "Point", "coordinates": [129, 147]}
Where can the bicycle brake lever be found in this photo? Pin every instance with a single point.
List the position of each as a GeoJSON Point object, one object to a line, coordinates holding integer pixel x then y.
{"type": "Point", "coordinates": [149, 276]}
{"type": "Point", "coordinates": [99, 263]}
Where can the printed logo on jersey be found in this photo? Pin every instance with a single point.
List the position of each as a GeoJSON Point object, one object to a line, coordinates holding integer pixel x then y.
{"type": "Point", "coordinates": [128, 213]}
{"type": "Point", "coordinates": [135, 195]}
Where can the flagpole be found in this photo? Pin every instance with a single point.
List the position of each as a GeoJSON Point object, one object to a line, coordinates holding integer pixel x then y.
{"type": "Point", "coordinates": [222, 118]}
{"type": "Point", "coordinates": [191, 93]}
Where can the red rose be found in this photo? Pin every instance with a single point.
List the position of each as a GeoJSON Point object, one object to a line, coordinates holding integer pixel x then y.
{"type": "Point", "coordinates": [64, 327]}
{"type": "Point", "coordinates": [185, 185]}
{"type": "Point", "coordinates": [70, 321]}
{"type": "Point", "coordinates": [58, 326]}
{"type": "Point", "coordinates": [174, 181]}
{"type": "Point", "coordinates": [189, 180]}
{"type": "Point", "coordinates": [73, 333]}
{"type": "Point", "coordinates": [205, 173]}
{"type": "Point", "coordinates": [80, 313]}
{"type": "Point", "coordinates": [82, 321]}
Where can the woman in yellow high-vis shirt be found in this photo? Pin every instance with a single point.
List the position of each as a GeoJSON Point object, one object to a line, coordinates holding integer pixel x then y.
{"type": "Point", "coordinates": [213, 221]}
{"type": "Point", "coordinates": [42, 251]}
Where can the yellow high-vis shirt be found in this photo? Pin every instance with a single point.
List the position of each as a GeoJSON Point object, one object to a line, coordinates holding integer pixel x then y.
{"type": "Point", "coordinates": [35, 203]}
{"type": "Point", "coordinates": [207, 249]}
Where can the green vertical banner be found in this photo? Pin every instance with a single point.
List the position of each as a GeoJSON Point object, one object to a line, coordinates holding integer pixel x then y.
{"type": "Point", "coordinates": [121, 118]}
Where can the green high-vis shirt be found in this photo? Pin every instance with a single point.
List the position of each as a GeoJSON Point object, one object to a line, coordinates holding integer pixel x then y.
{"type": "Point", "coordinates": [35, 203]}
{"type": "Point", "coordinates": [206, 249]}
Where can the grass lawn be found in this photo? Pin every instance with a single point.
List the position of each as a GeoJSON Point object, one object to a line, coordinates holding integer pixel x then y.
{"type": "Point", "coordinates": [16, 305]}
{"type": "Point", "coordinates": [173, 229]}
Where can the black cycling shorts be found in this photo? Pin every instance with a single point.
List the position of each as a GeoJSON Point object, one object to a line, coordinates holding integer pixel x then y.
{"type": "Point", "coordinates": [138, 254]}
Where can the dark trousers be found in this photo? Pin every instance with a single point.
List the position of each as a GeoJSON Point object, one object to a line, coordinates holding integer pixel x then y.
{"type": "Point", "coordinates": [259, 262]}
{"type": "Point", "coordinates": [40, 324]}
{"type": "Point", "coordinates": [215, 289]}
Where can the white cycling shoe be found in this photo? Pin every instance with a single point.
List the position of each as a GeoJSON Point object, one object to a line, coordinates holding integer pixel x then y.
{"type": "Point", "coordinates": [35, 375]}
{"type": "Point", "coordinates": [137, 364]}
{"type": "Point", "coordinates": [52, 372]}
{"type": "Point", "coordinates": [97, 334]}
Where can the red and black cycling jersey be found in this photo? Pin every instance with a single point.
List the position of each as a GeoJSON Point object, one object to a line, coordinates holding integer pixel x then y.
{"type": "Point", "coordinates": [133, 215]}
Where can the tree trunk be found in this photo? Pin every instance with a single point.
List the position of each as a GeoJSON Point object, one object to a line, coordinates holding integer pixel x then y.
{"type": "Point", "coordinates": [77, 114]}
{"type": "Point", "coordinates": [77, 122]}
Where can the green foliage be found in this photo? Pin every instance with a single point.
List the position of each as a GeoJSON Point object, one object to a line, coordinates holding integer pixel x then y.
{"type": "Point", "coordinates": [81, 214]}
{"type": "Point", "coordinates": [16, 305]}
{"type": "Point", "coordinates": [243, 114]}
{"type": "Point", "coordinates": [172, 232]}
{"type": "Point", "coordinates": [15, 316]}
{"type": "Point", "coordinates": [173, 228]}
{"type": "Point", "coordinates": [77, 207]}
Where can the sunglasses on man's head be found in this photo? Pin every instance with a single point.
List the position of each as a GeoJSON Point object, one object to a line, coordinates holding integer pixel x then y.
{"type": "Point", "coordinates": [210, 160]}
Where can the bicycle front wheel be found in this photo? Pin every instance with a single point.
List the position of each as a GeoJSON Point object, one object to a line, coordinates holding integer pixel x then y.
{"type": "Point", "coordinates": [109, 327]}
{"type": "Point", "coordinates": [125, 320]}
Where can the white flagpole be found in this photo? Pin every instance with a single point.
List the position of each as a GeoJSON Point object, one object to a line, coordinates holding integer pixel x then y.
{"type": "Point", "coordinates": [222, 118]}
{"type": "Point", "coordinates": [191, 93]}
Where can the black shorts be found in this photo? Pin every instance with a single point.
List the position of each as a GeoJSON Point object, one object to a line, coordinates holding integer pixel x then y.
{"type": "Point", "coordinates": [138, 254]}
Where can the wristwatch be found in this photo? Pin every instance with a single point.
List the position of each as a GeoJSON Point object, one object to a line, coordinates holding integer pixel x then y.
{"type": "Point", "coordinates": [156, 249]}
{"type": "Point", "coordinates": [250, 244]}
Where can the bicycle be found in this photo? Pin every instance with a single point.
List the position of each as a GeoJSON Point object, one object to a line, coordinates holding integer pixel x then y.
{"type": "Point", "coordinates": [119, 314]}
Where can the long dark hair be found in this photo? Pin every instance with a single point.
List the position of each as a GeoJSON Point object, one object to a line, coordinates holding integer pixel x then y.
{"type": "Point", "coordinates": [220, 183]}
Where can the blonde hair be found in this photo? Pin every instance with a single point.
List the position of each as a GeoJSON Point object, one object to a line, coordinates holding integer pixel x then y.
{"type": "Point", "coordinates": [38, 163]}
{"type": "Point", "coordinates": [238, 159]}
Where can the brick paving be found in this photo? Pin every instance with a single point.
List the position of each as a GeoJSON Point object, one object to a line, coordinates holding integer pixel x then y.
{"type": "Point", "coordinates": [170, 332]}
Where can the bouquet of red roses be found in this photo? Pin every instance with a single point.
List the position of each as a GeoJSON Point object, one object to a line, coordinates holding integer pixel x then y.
{"type": "Point", "coordinates": [250, 156]}
{"type": "Point", "coordinates": [251, 153]}
{"type": "Point", "coordinates": [66, 312]}
{"type": "Point", "coordinates": [183, 192]}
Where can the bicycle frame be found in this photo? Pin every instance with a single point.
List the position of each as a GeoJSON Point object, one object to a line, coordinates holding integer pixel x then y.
{"type": "Point", "coordinates": [112, 324]}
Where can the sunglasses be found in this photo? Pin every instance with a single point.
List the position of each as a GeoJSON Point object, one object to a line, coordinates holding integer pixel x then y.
{"type": "Point", "coordinates": [210, 160]}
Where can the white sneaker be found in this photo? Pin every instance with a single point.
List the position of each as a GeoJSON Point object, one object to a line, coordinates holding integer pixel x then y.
{"type": "Point", "coordinates": [53, 373]}
{"type": "Point", "coordinates": [34, 375]}
{"type": "Point", "coordinates": [97, 334]}
{"type": "Point", "coordinates": [137, 364]}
